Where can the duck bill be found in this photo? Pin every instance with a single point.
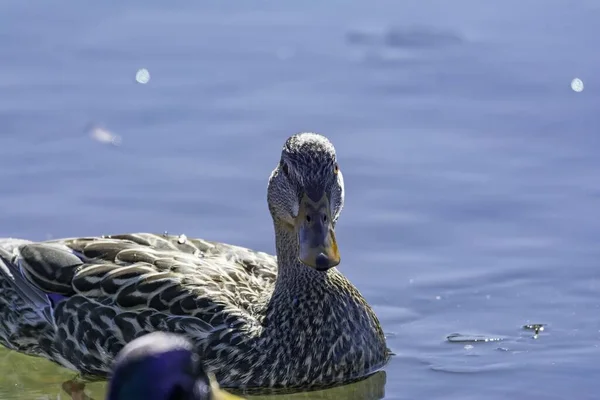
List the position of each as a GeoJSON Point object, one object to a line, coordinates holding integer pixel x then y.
{"type": "Point", "coordinates": [316, 237]}
{"type": "Point", "coordinates": [221, 394]}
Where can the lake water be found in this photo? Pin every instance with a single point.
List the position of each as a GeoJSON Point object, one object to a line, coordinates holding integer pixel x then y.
{"type": "Point", "coordinates": [471, 166]}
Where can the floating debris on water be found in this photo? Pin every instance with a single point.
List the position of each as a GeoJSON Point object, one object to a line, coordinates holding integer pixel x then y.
{"type": "Point", "coordinates": [182, 239]}
{"type": "Point", "coordinates": [104, 136]}
{"type": "Point", "coordinates": [460, 338]}
{"type": "Point", "coordinates": [536, 328]}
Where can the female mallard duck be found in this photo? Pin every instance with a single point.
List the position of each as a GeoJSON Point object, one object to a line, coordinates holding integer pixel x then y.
{"type": "Point", "coordinates": [162, 366]}
{"type": "Point", "coordinates": [258, 321]}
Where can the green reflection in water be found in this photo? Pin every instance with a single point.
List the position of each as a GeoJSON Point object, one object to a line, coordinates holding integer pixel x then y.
{"type": "Point", "coordinates": [25, 377]}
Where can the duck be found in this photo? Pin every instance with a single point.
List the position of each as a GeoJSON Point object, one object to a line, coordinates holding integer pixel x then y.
{"type": "Point", "coordinates": [257, 320]}
{"type": "Point", "coordinates": [162, 366]}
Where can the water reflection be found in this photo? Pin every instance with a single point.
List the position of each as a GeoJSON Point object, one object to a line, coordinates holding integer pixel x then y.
{"type": "Point", "coordinates": [26, 377]}
{"type": "Point", "coordinates": [371, 388]}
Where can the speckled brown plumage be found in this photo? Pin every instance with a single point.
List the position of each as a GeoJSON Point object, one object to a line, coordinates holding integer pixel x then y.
{"type": "Point", "coordinates": [257, 320]}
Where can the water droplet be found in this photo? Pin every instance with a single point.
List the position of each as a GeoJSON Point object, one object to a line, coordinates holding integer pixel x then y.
{"type": "Point", "coordinates": [438, 297]}
{"type": "Point", "coordinates": [142, 76]}
{"type": "Point", "coordinates": [469, 347]}
{"type": "Point", "coordinates": [182, 239]}
{"type": "Point", "coordinates": [577, 85]}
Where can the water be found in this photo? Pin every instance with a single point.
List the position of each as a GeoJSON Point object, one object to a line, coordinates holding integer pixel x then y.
{"type": "Point", "coordinates": [471, 165]}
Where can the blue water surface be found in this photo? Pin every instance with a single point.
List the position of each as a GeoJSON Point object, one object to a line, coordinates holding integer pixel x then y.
{"type": "Point", "coordinates": [471, 166]}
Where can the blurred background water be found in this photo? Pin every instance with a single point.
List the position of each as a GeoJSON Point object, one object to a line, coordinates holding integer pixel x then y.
{"type": "Point", "coordinates": [470, 163]}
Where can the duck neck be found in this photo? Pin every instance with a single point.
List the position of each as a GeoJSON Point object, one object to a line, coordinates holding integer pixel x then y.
{"type": "Point", "coordinates": [292, 275]}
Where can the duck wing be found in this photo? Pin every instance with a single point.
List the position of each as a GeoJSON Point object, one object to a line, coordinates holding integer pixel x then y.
{"type": "Point", "coordinates": [106, 291]}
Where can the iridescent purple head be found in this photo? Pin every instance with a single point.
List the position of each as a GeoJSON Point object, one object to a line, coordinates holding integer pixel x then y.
{"type": "Point", "coordinates": [161, 366]}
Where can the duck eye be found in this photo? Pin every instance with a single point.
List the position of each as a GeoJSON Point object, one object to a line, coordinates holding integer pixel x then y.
{"type": "Point", "coordinates": [336, 168]}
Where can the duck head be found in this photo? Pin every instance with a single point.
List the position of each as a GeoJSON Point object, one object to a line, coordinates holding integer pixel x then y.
{"type": "Point", "coordinates": [306, 196]}
{"type": "Point", "coordinates": [162, 366]}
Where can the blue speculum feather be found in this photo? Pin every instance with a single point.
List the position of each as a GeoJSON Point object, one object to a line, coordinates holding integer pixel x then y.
{"type": "Point", "coordinates": [56, 298]}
